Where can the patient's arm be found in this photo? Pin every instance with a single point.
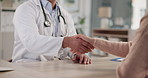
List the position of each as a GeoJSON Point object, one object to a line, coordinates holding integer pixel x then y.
{"type": "Point", "coordinates": [116, 48]}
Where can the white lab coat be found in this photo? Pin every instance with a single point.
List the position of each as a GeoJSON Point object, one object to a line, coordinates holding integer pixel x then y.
{"type": "Point", "coordinates": [32, 39]}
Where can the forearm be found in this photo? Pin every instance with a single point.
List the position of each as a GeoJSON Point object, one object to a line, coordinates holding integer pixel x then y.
{"type": "Point", "coordinates": [42, 44]}
{"type": "Point", "coordinates": [116, 48]}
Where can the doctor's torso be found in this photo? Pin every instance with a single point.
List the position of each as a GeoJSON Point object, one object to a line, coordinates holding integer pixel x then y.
{"type": "Point", "coordinates": [31, 34]}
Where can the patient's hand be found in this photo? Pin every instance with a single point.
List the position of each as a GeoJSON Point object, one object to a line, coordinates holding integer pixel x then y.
{"type": "Point", "coordinates": [82, 59]}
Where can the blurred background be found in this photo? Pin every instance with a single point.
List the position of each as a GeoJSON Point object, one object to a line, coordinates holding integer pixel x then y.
{"type": "Point", "coordinates": [114, 20]}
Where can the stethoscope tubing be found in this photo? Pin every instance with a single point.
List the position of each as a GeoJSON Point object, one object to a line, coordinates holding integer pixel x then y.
{"type": "Point", "coordinates": [47, 22]}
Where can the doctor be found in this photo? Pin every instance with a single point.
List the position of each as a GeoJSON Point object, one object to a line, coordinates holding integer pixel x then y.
{"type": "Point", "coordinates": [44, 31]}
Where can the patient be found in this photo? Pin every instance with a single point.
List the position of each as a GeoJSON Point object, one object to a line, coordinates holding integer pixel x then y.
{"type": "Point", "coordinates": [135, 52]}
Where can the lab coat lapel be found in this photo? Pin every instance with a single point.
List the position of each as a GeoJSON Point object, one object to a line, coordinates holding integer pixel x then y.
{"type": "Point", "coordinates": [62, 28]}
{"type": "Point", "coordinates": [48, 30]}
{"type": "Point", "coordinates": [52, 22]}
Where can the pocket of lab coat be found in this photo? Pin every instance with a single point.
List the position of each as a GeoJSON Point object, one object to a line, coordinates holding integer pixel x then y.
{"type": "Point", "coordinates": [48, 31]}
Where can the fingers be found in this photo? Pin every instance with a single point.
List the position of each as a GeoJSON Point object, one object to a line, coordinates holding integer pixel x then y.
{"type": "Point", "coordinates": [88, 45]}
{"type": "Point", "coordinates": [79, 45]}
{"type": "Point", "coordinates": [81, 59]}
{"type": "Point", "coordinates": [85, 38]}
{"type": "Point", "coordinates": [84, 59]}
{"type": "Point", "coordinates": [85, 49]}
{"type": "Point", "coordinates": [82, 50]}
{"type": "Point", "coordinates": [87, 60]}
{"type": "Point", "coordinates": [90, 62]}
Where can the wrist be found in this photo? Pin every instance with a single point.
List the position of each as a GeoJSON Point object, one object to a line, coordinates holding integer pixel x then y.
{"type": "Point", "coordinates": [65, 43]}
{"type": "Point", "coordinates": [92, 41]}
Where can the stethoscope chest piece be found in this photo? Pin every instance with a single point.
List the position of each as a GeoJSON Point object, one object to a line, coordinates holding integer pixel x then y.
{"type": "Point", "coordinates": [47, 23]}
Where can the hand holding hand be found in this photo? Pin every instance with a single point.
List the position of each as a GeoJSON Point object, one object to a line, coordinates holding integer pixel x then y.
{"type": "Point", "coordinates": [77, 44]}
{"type": "Point", "coordinates": [85, 38]}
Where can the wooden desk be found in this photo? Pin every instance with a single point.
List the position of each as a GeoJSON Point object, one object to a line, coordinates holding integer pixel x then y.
{"type": "Point", "coordinates": [101, 68]}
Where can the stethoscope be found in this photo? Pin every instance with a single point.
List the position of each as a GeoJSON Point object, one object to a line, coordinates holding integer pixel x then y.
{"type": "Point", "coordinates": [47, 23]}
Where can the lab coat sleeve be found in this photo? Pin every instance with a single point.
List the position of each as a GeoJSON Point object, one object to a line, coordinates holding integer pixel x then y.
{"type": "Point", "coordinates": [27, 29]}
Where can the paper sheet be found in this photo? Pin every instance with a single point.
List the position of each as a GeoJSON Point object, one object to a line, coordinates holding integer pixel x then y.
{"type": "Point", "coordinates": [5, 69]}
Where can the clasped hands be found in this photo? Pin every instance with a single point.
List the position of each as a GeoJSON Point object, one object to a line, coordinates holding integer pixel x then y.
{"type": "Point", "coordinates": [79, 44]}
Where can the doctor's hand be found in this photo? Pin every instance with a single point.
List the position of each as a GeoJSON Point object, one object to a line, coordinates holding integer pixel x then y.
{"type": "Point", "coordinates": [82, 59]}
{"type": "Point", "coordinates": [84, 38]}
{"type": "Point", "coordinates": [77, 45]}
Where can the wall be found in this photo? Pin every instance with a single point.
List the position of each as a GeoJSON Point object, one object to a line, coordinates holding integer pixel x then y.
{"type": "Point", "coordinates": [0, 35]}
{"type": "Point", "coordinates": [7, 43]}
{"type": "Point", "coordinates": [120, 8]}
{"type": "Point", "coordinates": [7, 39]}
{"type": "Point", "coordinates": [0, 46]}
{"type": "Point", "coordinates": [6, 36]}
{"type": "Point", "coordinates": [147, 3]}
{"type": "Point", "coordinates": [123, 8]}
{"type": "Point", "coordinates": [138, 12]}
{"type": "Point", "coordinates": [85, 10]}
{"type": "Point", "coordinates": [95, 21]}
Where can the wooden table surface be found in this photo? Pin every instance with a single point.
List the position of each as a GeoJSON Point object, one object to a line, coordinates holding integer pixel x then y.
{"type": "Point", "coordinates": [100, 68]}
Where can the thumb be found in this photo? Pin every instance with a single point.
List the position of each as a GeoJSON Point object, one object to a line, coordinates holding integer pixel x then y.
{"type": "Point", "coordinates": [78, 36]}
{"type": "Point", "coordinates": [87, 39]}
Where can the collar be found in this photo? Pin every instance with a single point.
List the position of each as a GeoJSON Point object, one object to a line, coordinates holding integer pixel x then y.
{"type": "Point", "coordinates": [48, 6]}
{"type": "Point", "coordinates": [37, 2]}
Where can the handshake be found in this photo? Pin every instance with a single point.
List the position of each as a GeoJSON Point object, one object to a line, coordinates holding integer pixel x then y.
{"type": "Point", "coordinates": [79, 44]}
